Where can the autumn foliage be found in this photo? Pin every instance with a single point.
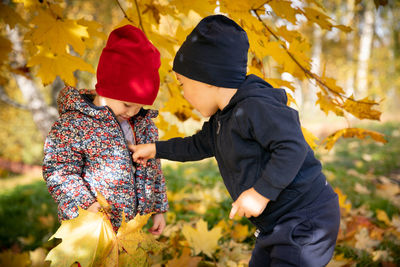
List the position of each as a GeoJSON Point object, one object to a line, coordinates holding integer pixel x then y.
{"type": "Point", "coordinates": [55, 44]}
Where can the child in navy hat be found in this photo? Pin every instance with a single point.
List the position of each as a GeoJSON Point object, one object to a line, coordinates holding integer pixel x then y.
{"type": "Point", "coordinates": [268, 168]}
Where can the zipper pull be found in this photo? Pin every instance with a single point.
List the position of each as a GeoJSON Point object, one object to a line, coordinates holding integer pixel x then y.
{"type": "Point", "coordinates": [218, 127]}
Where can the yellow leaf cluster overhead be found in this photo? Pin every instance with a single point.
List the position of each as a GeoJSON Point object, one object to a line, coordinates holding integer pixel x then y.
{"type": "Point", "coordinates": [62, 65]}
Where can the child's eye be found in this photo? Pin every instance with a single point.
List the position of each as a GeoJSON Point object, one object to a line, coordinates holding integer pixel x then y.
{"type": "Point", "coordinates": [126, 105]}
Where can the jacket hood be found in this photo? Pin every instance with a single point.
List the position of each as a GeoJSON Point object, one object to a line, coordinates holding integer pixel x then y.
{"type": "Point", "coordinates": [72, 99]}
{"type": "Point", "coordinates": [254, 86]}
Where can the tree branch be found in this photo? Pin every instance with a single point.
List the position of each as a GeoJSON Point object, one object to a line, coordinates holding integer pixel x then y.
{"type": "Point", "coordinates": [304, 69]}
{"type": "Point", "coordinates": [140, 17]}
{"type": "Point", "coordinates": [130, 20]}
{"type": "Point", "coordinates": [123, 11]}
{"type": "Point", "coordinates": [6, 99]}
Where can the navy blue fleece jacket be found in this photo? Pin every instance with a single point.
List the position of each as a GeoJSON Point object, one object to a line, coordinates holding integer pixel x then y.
{"type": "Point", "coordinates": [257, 142]}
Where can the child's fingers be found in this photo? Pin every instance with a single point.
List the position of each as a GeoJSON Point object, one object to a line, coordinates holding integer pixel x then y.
{"type": "Point", "coordinates": [95, 207]}
{"type": "Point", "coordinates": [155, 229]}
{"type": "Point", "coordinates": [137, 158]}
{"type": "Point", "coordinates": [132, 147]}
{"type": "Point", "coordinates": [233, 211]}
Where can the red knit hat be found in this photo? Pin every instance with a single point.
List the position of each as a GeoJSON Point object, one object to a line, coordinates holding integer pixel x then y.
{"type": "Point", "coordinates": [128, 67]}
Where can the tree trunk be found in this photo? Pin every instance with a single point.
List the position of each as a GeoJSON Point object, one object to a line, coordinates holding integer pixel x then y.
{"type": "Point", "coordinates": [349, 21]}
{"type": "Point", "coordinates": [316, 63]}
{"type": "Point", "coordinates": [43, 114]}
{"type": "Point", "coordinates": [367, 34]}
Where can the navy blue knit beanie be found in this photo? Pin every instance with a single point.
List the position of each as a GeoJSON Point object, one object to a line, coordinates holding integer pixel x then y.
{"type": "Point", "coordinates": [215, 53]}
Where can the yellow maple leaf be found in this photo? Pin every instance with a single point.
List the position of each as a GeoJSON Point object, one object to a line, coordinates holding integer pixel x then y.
{"type": "Point", "coordinates": [10, 17]}
{"type": "Point", "coordinates": [343, 28]}
{"type": "Point", "coordinates": [240, 11]}
{"type": "Point", "coordinates": [93, 31]}
{"type": "Point", "coordinates": [28, 3]}
{"type": "Point", "coordinates": [352, 132]}
{"type": "Point", "coordinates": [364, 240]}
{"type": "Point", "coordinates": [331, 84]}
{"type": "Point", "coordinates": [63, 65]}
{"type": "Point", "coordinates": [168, 130]}
{"type": "Point", "coordinates": [277, 52]}
{"type": "Point", "coordinates": [285, 10]}
{"type": "Point", "coordinates": [178, 105]}
{"type": "Point", "coordinates": [310, 138]}
{"type": "Point", "coordinates": [56, 33]}
{"type": "Point", "coordinates": [328, 104]}
{"type": "Point", "coordinates": [130, 234]}
{"type": "Point", "coordinates": [203, 8]}
{"type": "Point", "coordinates": [288, 35]}
{"type": "Point", "coordinates": [185, 259]}
{"type": "Point", "coordinates": [284, 58]}
{"type": "Point", "coordinates": [226, 226]}
{"type": "Point", "coordinates": [240, 232]}
{"type": "Point", "coordinates": [256, 71]}
{"type": "Point", "coordinates": [279, 83]}
{"type": "Point", "coordinates": [299, 50]}
{"type": "Point", "coordinates": [290, 100]}
{"type": "Point", "coordinates": [168, 25]}
{"type": "Point", "coordinates": [200, 239]}
{"type": "Point", "coordinates": [234, 254]}
{"type": "Point", "coordinates": [85, 239]}
{"type": "Point", "coordinates": [383, 217]}
{"type": "Point", "coordinates": [362, 109]}
{"type": "Point", "coordinates": [342, 200]}
{"type": "Point", "coordinates": [103, 202]}
{"type": "Point", "coordinates": [316, 16]}
{"type": "Point", "coordinates": [257, 35]}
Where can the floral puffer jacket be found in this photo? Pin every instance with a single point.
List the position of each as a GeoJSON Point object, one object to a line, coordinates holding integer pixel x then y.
{"type": "Point", "coordinates": [86, 152]}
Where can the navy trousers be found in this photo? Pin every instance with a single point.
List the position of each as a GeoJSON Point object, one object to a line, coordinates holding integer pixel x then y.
{"type": "Point", "coordinates": [304, 237]}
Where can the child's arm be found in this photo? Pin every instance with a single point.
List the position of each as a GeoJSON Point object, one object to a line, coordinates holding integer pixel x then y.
{"type": "Point", "coordinates": [276, 128]}
{"type": "Point", "coordinates": [195, 147]}
{"type": "Point", "coordinates": [62, 168]}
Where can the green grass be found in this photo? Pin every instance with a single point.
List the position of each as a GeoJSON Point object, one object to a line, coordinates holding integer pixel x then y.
{"type": "Point", "coordinates": [24, 208]}
{"type": "Point", "coordinates": [204, 173]}
{"type": "Point", "coordinates": [28, 216]}
{"type": "Point", "coordinates": [363, 161]}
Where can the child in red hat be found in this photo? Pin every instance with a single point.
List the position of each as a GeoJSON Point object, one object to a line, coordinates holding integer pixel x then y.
{"type": "Point", "coordinates": [86, 150]}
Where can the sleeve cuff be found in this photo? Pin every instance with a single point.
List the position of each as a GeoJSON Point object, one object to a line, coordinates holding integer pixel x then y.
{"type": "Point", "coordinates": [264, 188]}
{"type": "Point", "coordinates": [159, 150]}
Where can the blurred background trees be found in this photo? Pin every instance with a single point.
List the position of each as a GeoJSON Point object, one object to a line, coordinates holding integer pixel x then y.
{"type": "Point", "coordinates": [341, 57]}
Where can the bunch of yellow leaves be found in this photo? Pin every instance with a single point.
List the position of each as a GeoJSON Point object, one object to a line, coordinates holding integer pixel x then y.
{"type": "Point", "coordinates": [90, 240]}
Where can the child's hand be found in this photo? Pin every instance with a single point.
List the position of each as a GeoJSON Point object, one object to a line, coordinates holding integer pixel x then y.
{"type": "Point", "coordinates": [95, 207]}
{"type": "Point", "coordinates": [143, 152]}
{"type": "Point", "coordinates": [249, 203]}
{"type": "Point", "coordinates": [158, 224]}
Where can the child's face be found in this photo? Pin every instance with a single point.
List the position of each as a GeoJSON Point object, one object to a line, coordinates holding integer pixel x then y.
{"type": "Point", "coordinates": [200, 95]}
{"type": "Point", "coordinates": [123, 110]}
